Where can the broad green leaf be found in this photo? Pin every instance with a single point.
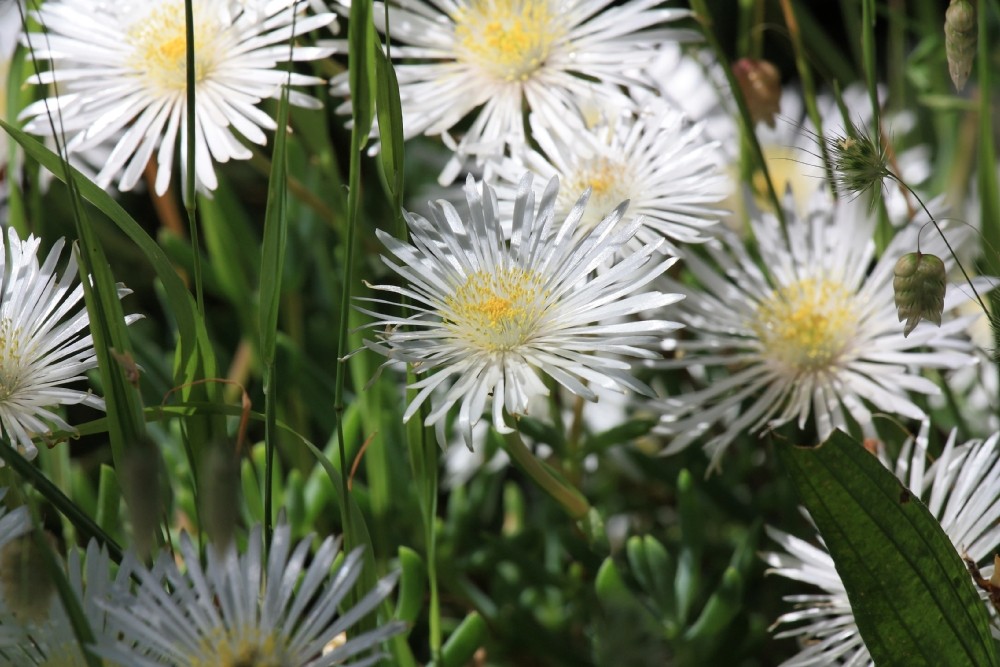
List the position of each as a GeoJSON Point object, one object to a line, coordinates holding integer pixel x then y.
{"type": "Point", "coordinates": [912, 597]}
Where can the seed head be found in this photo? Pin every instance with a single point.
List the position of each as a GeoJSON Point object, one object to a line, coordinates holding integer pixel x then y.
{"type": "Point", "coordinates": [859, 161]}
{"type": "Point", "coordinates": [918, 288]}
{"type": "Point", "coordinates": [960, 40]}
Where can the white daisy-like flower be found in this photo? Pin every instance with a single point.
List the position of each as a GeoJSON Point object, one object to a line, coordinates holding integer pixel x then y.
{"type": "Point", "coordinates": [245, 609]}
{"type": "Point", "coordinates": [121, 68]}
{"type": "Point", "coordinates": [51, 640]}
{"type": "Point", "coordinates": [491, 316]}
{"type": "Point", "coordinates": [489, 60]}
{"type": "Point", "coordinates": [10, 27]}
{"type": "Point", "coordinates": [43, 341]}
{"type": "Point", "coordinates": [808, 331]}
{"type": "Point", "coordinates": [651, 157]}
{"type": "Point", "coordinates": [960, 490]}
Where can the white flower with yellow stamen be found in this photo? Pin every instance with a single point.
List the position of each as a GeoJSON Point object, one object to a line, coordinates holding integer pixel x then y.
{"type": "Point", "coordinates": [809, 330]}
{"type": "Point", "coordinates": [652, 157]}
{"type": "Point", "coordinates": [285, 608]}
{"type": "Point", "coordinates": [489, 60]}
{"type": "Point", "coordinates": [43, 345]}
{"type": "Point", "coordinates": [492, 316]}
{"type": "Point", "coordinates": [121, 68]}
{"type": "Point", "coordinates": [960, 489]}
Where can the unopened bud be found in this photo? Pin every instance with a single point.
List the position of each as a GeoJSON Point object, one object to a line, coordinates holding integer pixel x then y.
{"type": "Point", "coordinates": [960, 40]}
{"type": "Point", "coordinates": [220, 493]}
{"type": "Point", "coordinates": [140, 481]}
{"type": "Point", "coordinates": [25, 580]}
{"type": "Point", "coordinates": [919, 287]}
{"type": "Point", "coordinates": [760, 83]}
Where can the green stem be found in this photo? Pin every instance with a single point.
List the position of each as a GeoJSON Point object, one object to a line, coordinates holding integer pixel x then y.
{"type": "Point", "coordinates": [190, 204]}
{"type": "Point", "coordinates": [571, 499]}
{"type": "Point", "coordinates": [808, 88]}
{"type": "Point", "coordinates": [87, 527]}
{"type": "Point", "coordinates": [958, 262]}
{"type": "Point", "coordinates": [746, 122]}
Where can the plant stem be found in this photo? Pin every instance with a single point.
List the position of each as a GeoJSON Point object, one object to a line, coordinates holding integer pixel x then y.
{"type": "Point", "coordinates": [570, 498]}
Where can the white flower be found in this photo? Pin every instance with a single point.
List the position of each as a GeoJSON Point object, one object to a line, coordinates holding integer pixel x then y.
{"type": "Point", "coordinates": [652, 157]}
{"type": "Point", "coordinates": [960, 490]}
{"type": "Point", "coordinates": [488, 60]}
{"type": "Point", "coordinates": [491, 315]}
{"type": "Point", "coordinates": [808, 331]}
{"type": "Point", "coordinates": [245, 609]}
{"type": "Point", "coordinates": [120, 66]}
{"type": "Point", "coordinates": [10, 26]}
{"type": "Point", "coordinates": [43, 344]}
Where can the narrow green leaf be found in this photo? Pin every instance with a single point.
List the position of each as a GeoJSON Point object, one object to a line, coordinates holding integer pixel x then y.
{"type": "Point", "coordinates": [272, 257]}
{"type": "Point", "coordinates": [912, 597]}
{"type": "Point", "coordinates": [109, 496]}
{"type": "Point", "coordinates": [180, 301]}
{"type": "Point", "coordinates": [720, 609]}
{"type": "Point", "coordinates": [83, 523]}
{"type": "Point", "coordinates": [390, 127]}
{"type": "Point", "coordinates": [361, 40]}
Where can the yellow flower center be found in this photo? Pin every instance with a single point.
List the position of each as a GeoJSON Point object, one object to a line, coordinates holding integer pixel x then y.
{"type": "Point", "coordinates": [785, 165]}
{"type": "Point", "coordinates": [508, 39]}
{"type": "Point", "coordinates": [609, 183]}
{"type": "Point", "coordinates": [496, 312]}
{"type": "Point", "coordinates": [159, 47]}
{"type": "Point", "coordinates": [11, 366]}
{"type": "Point", "coordinates": [806, 327]}
{"type": "Point", "coordinates": [247, 648]}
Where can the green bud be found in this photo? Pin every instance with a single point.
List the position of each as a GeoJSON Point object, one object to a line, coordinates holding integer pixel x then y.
{"type": "Point", "coordinates": [960, 40]}
{"type": "Point", "coordinates": [918, 288]}
{"type": "Point", "coordinates": [859, 161]}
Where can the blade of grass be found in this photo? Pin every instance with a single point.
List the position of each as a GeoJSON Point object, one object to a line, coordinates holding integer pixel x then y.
{"type": "Point", "coordinates": [86, 526]}
{"type": "Point", "coordinates": [271, 269]}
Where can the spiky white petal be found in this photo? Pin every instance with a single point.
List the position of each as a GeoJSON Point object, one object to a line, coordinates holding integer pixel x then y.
{"type": "Point", "coordinates": [652, 157]}
{"type": "Point", "coordinates": [808, 333]}
{"type": "Point", "coordinates": [281, 609]}
{"type": "Point", "coordinates": [120, 67]}
{"type": "Point", "coordinates": [488, 60]}
{"type": "Point", "coordinates": [43, 344]}
{"type": "Point", "coordinates": [492, 315]}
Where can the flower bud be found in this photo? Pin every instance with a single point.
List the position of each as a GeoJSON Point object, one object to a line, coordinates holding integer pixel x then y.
{"type": "Point", "coordinates": [760, 83]}
{"type": "Point", "coordinates": [25, 581]}
{"type": "Point", "coordinates": [960, 40]}
{"type": "Point", "coordinates": [918, 288]}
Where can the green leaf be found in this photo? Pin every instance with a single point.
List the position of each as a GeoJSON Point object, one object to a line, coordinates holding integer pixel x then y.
{"type": "Point", "coordinates": [412, 585]}
{"type": "Point", "coordinates": [912, 597]}
{"type": "Point", "coordinates": [464, 641]}
{"type": "Point", "coordinates": [275, 237]}
{"type": "Point", "coordinates": [389, 110]}
{"type": "Point", "coordinates": [178, 297]}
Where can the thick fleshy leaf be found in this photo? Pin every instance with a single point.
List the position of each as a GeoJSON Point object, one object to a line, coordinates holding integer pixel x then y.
{"type": "Point", "coordinates": [912, 598]}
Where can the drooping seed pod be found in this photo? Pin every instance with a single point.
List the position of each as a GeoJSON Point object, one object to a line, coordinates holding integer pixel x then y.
{"type": "Point", "coordinates": [960, 40]}
{"type": "Point", "coordinates": [760, 83]}
{"type": "Point", "coordinates": [918, 288]}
